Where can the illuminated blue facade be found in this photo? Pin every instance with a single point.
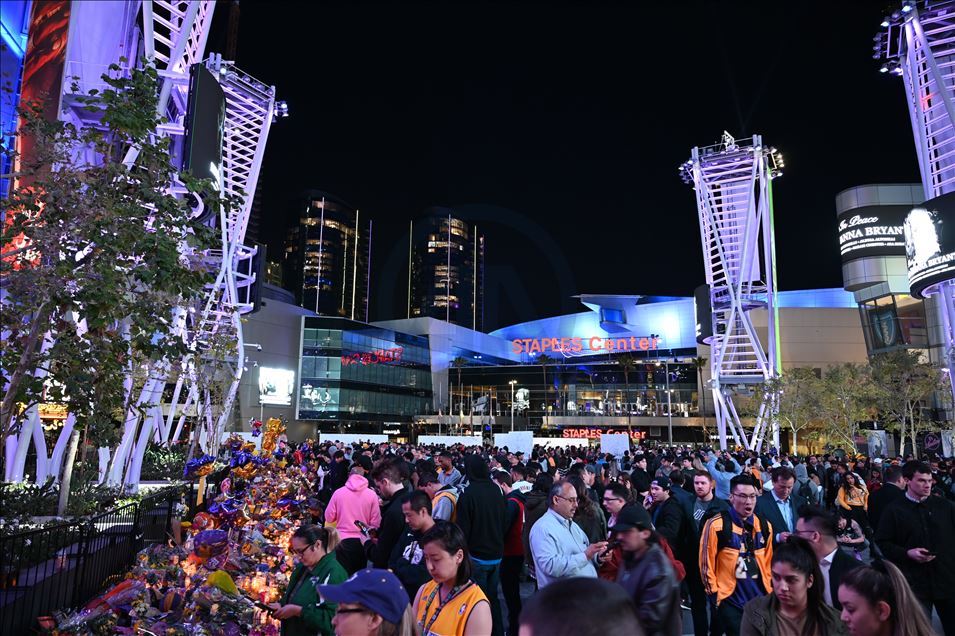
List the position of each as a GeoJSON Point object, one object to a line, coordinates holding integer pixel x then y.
{"type": "Point", "coordinates": [14, 24]}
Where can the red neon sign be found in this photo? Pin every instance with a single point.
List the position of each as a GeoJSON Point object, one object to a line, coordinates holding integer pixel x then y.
{"type": "Point", "coordinates": [595, 433]}
{"type": "Point", "coordinates": [379, 356]}
{"type": "Point", "coordinates": [576, 345]}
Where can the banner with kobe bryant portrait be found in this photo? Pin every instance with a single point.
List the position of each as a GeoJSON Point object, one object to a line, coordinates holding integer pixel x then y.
{"type": "Point", "coordinates": [930, 243]}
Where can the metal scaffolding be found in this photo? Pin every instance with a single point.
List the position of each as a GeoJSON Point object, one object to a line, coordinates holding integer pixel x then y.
{"type": "Point", "coordinates": [917, 43]}
{"type": "Point", "coordinates": [733, 184]}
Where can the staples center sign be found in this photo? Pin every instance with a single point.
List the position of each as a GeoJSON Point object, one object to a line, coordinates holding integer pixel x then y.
{"type": "Point", "coordinates": [595, 433]}
{"type": "Point", "coordinates": [576, 345]}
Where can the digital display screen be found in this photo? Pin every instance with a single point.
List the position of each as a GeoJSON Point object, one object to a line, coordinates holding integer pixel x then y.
{"type": "Point", "coordinates": [276, 386]}
{"type": "Point", "coordinates": [872, 231]}
{"type": "Point", "coordinates": [930, 243]}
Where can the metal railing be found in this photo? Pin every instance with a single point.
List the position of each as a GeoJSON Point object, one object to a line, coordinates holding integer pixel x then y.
{"type": "Point", "coordinates": [67, 564]}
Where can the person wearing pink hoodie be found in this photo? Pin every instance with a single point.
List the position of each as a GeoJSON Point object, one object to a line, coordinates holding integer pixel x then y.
{"type": "Point", "coordinates": [355, 501]}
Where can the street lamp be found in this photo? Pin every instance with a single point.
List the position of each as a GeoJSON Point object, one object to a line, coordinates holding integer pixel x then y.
{"type": "Point", "coordinates": [669, 402]}
{"type": "Point", "coordinates": [512, 383]}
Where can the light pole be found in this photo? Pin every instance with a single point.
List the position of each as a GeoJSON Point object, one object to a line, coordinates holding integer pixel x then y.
{"type": "Point", "coordinates": [512, 383]}
{"type": "Point", "coordinates": [669, 402]}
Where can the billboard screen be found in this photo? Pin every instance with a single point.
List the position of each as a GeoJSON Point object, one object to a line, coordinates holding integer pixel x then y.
{"type": "Point", "coordinates": [205, 121]}
{"type": "Point", "coordinates": [872, 231]}
{"type": "Point", "coordinates": [704, 314]}
{"type": "Point", "coordinates": [276, 386]}
{"type": "Point", "coordinates": [930, 243]}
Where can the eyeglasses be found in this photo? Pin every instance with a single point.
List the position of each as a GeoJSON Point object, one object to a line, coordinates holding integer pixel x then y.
{"type": "Point", "coordinates": [351, 610]}
{"type": "Point", "coordinates": [570, 499]}
{"type": "Point", "coordinates": [303, 550]}
{"type": "Point", "coordinates": [745, 497]}
{"type": "Point", "coordinates": [609, 499]}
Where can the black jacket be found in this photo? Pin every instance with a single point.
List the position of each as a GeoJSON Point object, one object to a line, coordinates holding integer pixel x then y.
{"type": "Point", "coordinates": [767, 508]}
{"type": "Point", "coordinates": [407, 562]}
{"type": "Point", "coordinates": [841, 564]}
{"type": "Point", "coordinates": [671, 522]}
{"type": "Point", "coordinates": [482, 512]}
{"type": "Point", "coordinates": [337, 475]}
{"type": "Point", "coordinates": [535, 505]}
{"type": "Point", "coordinates": [640, 480]}
{"type": "Point", "coordinates": [392, 527]}
{"type": "Point", "coordinates": [651, 583]}
{"type": "Point", "coordinates": [905, 525]}
{"type": "Point", "coordinates": [882, 499]}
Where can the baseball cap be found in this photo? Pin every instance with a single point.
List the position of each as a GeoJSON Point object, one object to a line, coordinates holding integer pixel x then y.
{"type": "Point", "coordinates": [365, 462]}
{"type": "Point", "coordinates": [662, 482]}
{"type": "Point", "coordinates": [378, 590]}
{"type": "Point", "coordinates": [590, 468]}
{"type": "Point", "coordinates": [632, 516]}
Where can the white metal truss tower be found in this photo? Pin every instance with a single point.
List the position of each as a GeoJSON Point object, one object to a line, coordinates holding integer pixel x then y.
{"type": "Point", "coordinates": [174, 35]}
{"type": "Point", "coordinates": [918, 44]}
{"type": "Point", "coordinates": [733, 184]}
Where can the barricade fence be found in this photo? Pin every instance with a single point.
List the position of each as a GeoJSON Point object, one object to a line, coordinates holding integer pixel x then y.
{"type": "Point", "coordinates": [67, 564]}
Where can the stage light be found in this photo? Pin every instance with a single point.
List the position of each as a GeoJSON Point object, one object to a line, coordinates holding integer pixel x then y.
{"type": "Point", "coordinates": [906, 8]}
{"type": "Point", "coordinates": [885, 23]}
{"type": "Point", "coordinates": [884, 69]}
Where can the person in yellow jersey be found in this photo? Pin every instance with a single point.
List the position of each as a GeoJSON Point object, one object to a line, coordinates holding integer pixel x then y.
{"type": "Point", "coordinates": [451, 604]}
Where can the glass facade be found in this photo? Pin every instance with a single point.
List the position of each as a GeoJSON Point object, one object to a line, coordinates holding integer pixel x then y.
{"type": "Point", "coordinates": [356, 372]}
{"type": "Point", "coordinates": [599, 389]}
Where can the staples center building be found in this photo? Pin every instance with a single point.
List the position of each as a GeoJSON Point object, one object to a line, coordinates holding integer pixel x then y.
{"type": "Point", "coordinates": [623, 358]}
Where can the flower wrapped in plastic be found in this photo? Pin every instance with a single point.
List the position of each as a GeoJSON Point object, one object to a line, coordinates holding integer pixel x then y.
{"type": "Point", "coordinates": [209, 543]}
{"type": "Point", "coordinates": [256, 426]}
{"type": "Point", "coordinates": [199, 467]}
{"type": "Point", "coordinates": [270, 435]}
{"type": "Point", "coordinates": [234, 442]}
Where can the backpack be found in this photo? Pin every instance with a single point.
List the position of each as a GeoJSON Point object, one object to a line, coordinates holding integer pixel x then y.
{"type": "Point", "coordinates": [725, 534]}
{"type": "Point", "coordinates": [805, 491]}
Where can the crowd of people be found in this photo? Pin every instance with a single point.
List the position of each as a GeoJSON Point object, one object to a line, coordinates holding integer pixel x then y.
{"type": "Point", "coordinates": [437, 541]}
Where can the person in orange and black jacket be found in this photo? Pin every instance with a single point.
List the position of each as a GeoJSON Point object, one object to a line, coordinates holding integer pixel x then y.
{"type": "Point", "coordinates": [736, 552]}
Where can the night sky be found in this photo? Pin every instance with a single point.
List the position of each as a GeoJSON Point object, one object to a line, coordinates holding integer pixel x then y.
{"type": "Point", "coordinates": [558, 129]}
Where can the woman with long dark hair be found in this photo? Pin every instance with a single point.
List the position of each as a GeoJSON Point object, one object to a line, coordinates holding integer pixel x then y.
{"type": "Point", "coordinates": [589, 516]}
{"type": "Point", "coordinates": [301, 610]}
{"type": "Point", "coordinates": [796, 605]}
{"type": "Point", "coordinates": [451, 604]}
{"type": "Point", "coordinates": [853, 498]}
{"type": "Point", "coordinates": [877, 601]}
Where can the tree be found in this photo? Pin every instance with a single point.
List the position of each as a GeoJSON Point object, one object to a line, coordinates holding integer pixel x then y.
{"type": "Point", "coordinates": [700, 363]}
{"type": "Point", "coordinates": [798, 393]}
{"type": "Point", "coordinates": [627, 364]}
{"type": "Point", "coordinates": [96, 258]}
{"type": "Point", "coordinates": [847, 400]}
{"type": "Point", "coordinates": [903, 389]}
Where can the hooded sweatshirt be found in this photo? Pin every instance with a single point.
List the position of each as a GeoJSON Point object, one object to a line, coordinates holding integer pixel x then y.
{"type": "Point", "coordinates": [355, 501]}
{"type": "Point", "coordinates": [482, 512]}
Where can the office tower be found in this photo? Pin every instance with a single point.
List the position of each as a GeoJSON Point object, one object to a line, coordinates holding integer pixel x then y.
{"type": "Point", "coordinates": [327, 257]}
{"type": "Point", "coordinates": [446, 269]}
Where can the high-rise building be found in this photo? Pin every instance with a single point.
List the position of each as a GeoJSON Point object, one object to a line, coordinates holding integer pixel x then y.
{"type": "Point", "coordinates": [327, 257]}
{"type": "Point", "coordinates": [446, 270]}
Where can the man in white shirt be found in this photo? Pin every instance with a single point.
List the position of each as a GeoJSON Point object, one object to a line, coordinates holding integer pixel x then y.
{"type": "Point", "coordinates": [559, 547]}
{"type": "Point", "coordinates": [519, 477]}
{"type": "Point", "coordinates": [819, 527]}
